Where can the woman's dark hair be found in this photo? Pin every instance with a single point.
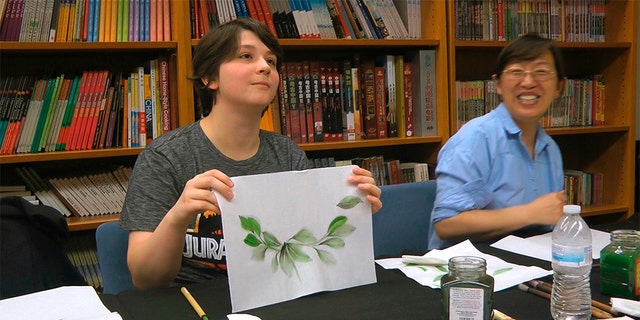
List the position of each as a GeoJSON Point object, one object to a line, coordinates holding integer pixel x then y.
{"type": "Point", "coordinates": [526, 48]}
{"type": "Point", "coordinates": [220, 45]}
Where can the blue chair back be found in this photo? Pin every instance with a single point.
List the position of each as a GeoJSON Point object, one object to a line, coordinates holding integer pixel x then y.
{"type": "Point", "coordinates": [402, 225]}
{"type": "Point", "coordinates": [112, 243]}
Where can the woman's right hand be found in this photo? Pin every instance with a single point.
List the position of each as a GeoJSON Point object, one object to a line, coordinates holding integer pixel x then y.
{"type": "Point", "coordinates": [547, 209]}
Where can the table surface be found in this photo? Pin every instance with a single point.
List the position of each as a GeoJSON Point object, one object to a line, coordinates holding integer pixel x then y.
{"type": "Point", "coordinates": [393, 297]}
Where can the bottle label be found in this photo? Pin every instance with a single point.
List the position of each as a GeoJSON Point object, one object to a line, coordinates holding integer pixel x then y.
{"type": "Point", "coordinates": [466, 303]}
{"type": "Point", "coordinates": [636, 277]}
{"type": "Point", "coordinates": [571, 256]}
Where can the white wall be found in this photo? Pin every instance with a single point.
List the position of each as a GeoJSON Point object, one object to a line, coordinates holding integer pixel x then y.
{"type": "Point", "coordinates": [638, 81]}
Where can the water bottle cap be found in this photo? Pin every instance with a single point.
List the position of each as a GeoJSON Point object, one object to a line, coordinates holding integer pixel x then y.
{"type": "Point", "coordinates": [571, 208]}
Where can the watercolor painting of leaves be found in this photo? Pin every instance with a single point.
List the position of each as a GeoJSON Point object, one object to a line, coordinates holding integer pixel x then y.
{"type": "Point", "coordinates": [292, 251]}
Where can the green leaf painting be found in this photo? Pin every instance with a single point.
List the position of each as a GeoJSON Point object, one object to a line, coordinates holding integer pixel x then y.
{"type": "Point", "coordinates": [503, 270]}
{"type": "Point", "coordinates": [301, 246]}
{"type": "Point", "coordinates": [349, 202]}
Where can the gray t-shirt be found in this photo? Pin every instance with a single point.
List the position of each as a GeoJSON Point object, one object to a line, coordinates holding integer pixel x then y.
{"type": "Point", "coordinates": [161, 172]}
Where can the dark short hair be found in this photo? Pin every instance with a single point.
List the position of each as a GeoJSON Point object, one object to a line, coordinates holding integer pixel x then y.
{"type": "Point", "coordinates": [220, 45]}
{"type": "Point", "coordinates": [526, 48]}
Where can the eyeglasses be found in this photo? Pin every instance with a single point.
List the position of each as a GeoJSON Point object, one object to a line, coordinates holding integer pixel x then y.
{"type": "Point", "coordinates": [519, 74]}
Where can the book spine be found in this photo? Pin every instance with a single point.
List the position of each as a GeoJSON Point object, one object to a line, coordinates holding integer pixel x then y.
{"type": "Point", "coordinates": [285, 120]}
{"type": "Point", "coordinates": [35, 144]}
{"type": "Point", "coordinates": [300, 92]}
{"type": "Point", "coordinates": [342, 17]}
{"type": "Point", "coordinates": [264, 4]}
{"type": "Point", "coordinates": [100, 95]}
{"type": "Point", "coordinates": [353, 20]}
{"type": "Point", "coordinates": [399, 79]}
{"type": "Point", "coordinates": [163, 65]}
{"type": "Point", "coordinates": [316, 91]}
{"type": "Point", "coordinates": [114, 114]}
{"type": "Point", "coordinates": [408, 98]}
{"type": "Point", "coordinates": [325, 99]}
{"type": "Point", "coordinates": [53, 104]}
{"type": "Point", "coordinates": [142, 123]}
{"type": "Point", "coordinates": [103, 119]}
{"type": "Point", "coordinates": [294, 111]}
{"type": "Point", "coordinates": [369, 20]}
{"type": "Point", "coordinates": [61, 107]}
{"type": "Point", "coordinates": [380, 94]}
{"type": "Point", "coordinates": [337, 108]}
{"type": "Point", "coordinates": [308, 104]}
{"type": "Point", "coordinates": [370, 112]}
{"type": "Point", "coordinates": [391, 88]}
{"type": "Point", "coordinates": [356, 103]}
{"type": "Point", "coordinates": [153, 90]}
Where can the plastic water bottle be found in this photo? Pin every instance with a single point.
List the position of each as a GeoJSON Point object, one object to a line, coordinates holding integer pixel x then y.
{"type": "Point", "coordinates": [571, 262]}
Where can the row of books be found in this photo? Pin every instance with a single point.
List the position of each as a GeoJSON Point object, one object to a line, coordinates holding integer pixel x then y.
{"type": "Point", "coordinates": [385, 172]}
{"type": "Point", "coordinates": [95, 110]}
{"type": "Point", "coordinates": [89, 193]}
{"type": "Point", "coordinates": [381, 97]}
{"type": "Point", "coordinates": [81, 250]}
{"type": "Point", "coordinates": [505, 20]}
{"type": "Point", "coordinates": [85, 20]}
{"type": "Point", "coordinates": [315, 19]}
{"type": "Point", "coordinates": [581, 102]}
{"type": "Point", "coordinates": [18, 191]}
{"type": "Point", "coordinates": [583, 188]}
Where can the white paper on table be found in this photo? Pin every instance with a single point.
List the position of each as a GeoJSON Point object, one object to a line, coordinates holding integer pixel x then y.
{"type": "Point", "coordinates": [626, 306]}
{"type": "Point", "coordinates": [505, 274]}
{"type": "Point", "coordinates": [68, 303]}
{"type": "Point", "coordinates": [284, 204]}
{"type": "Point", "coordinates": [539, 246]}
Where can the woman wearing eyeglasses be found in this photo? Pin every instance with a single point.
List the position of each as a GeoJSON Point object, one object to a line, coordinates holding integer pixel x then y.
{"type": "Point", "coordinates": [501, 173]}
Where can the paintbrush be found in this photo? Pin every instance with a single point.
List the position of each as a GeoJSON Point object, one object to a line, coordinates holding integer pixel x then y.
{"type": "Point", "coordinates": [545, 286]}
{"type": "Point", "coordinates": [595, 312]}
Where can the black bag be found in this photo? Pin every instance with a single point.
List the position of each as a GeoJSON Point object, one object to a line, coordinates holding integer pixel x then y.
{"type": "Point", "coordinates": [32, 254]}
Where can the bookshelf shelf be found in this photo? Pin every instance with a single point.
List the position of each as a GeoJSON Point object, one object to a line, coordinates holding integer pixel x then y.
{"type": "Point", "coordinates": [325, 44]}
{"type": "Point", "coordinates": [587, 130]}
{"type": "Point", "coordinates": [368, 143]}
{"type": "Point", "coordinates": [602, 209]}
{"type": "Point", "coordinates": [69, 155]}
{"type": "Point", "coordinates": [90, 223]}
{"type": "Point", "coordinates": [497, 45]}
{"type": "Point", "coordinates": [13, 46]}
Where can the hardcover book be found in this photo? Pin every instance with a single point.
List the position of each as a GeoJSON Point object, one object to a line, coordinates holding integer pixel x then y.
{"type": "Point", "coordinates": [368, 86]}
{"type": "Point", "coordinates": [424, 89]}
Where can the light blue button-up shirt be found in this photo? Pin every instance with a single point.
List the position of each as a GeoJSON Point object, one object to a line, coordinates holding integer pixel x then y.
{"type": "Point", "coordinates": [485, 165]}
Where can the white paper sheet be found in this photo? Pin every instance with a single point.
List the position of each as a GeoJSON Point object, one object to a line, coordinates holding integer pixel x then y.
{"type": "Point", "coordinates": [540, 246]}
{"type": "Point", "coordinates": [68, 303]}
{"type": "Point", "coordinates": [296, 208]}
{"type": "Point", "coordinates": [505, 274]}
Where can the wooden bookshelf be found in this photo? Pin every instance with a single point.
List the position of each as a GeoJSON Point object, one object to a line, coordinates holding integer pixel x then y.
{"type": "Point", "coordinates": [107, 54]}
{"type": "Point", "coordinates": [608, 149]}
